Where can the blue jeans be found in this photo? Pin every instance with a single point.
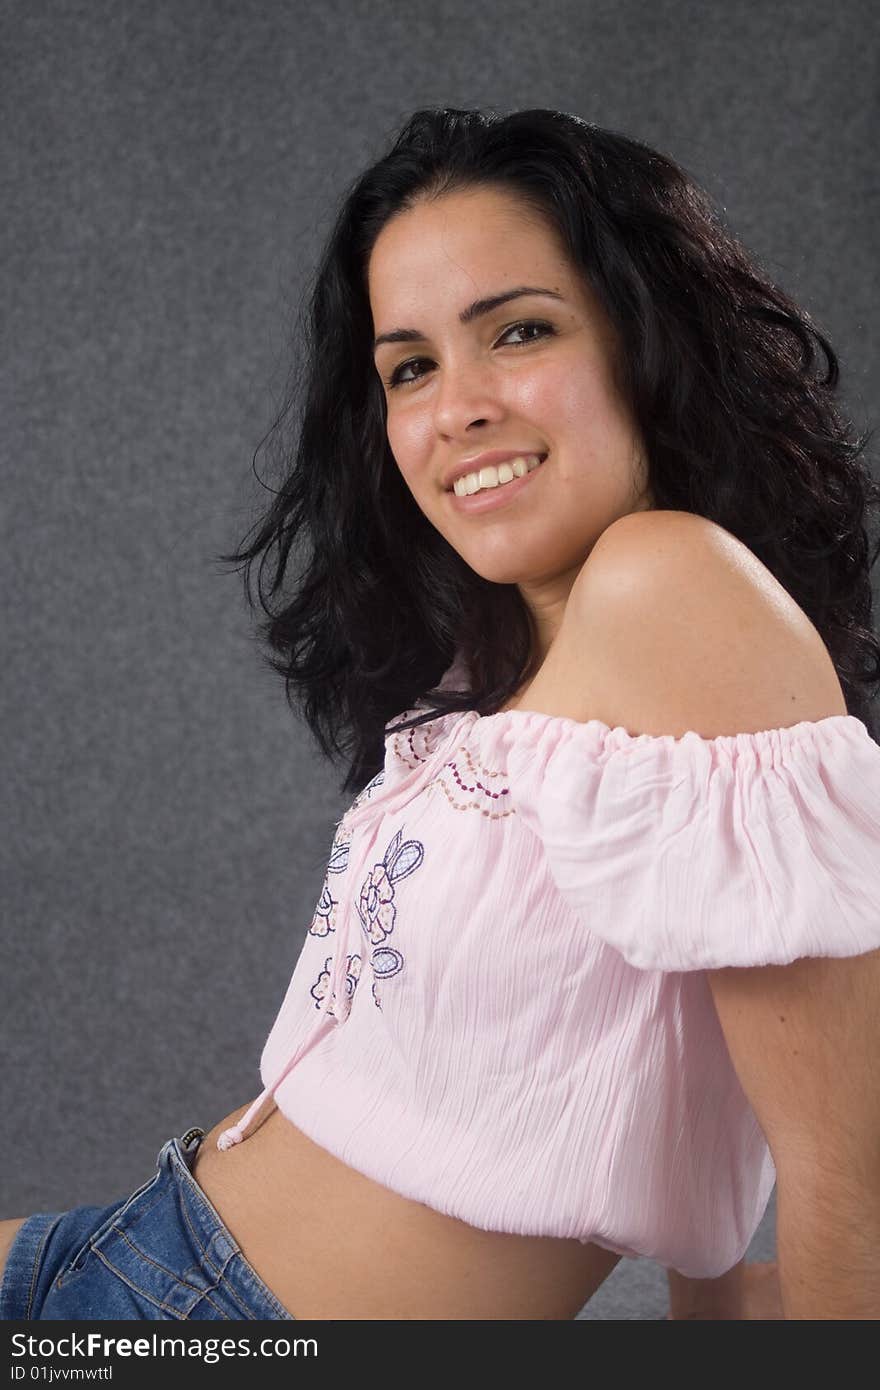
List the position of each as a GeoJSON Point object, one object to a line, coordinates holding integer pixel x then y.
{"type": "Point", "coordinates": [162, 1252]}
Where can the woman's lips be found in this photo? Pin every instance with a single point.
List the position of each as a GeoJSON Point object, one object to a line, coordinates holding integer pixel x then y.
{"type": "Point", "coordinates": [487, 499]}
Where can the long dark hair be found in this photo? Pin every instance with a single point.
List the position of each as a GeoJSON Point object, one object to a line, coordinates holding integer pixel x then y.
{"type": "Point", "coordinates": [719, 367]}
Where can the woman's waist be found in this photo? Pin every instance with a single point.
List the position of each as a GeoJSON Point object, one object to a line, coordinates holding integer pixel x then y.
{"type": "Point", "coordinates": [331, 1242]}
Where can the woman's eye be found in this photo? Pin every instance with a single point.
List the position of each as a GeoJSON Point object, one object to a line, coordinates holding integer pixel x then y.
{"type": "Point", "coordinates": [397, 379]}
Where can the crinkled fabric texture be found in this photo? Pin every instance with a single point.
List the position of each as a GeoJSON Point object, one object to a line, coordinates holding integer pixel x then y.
{"type": "Point", "coordinates": [501, 1009]}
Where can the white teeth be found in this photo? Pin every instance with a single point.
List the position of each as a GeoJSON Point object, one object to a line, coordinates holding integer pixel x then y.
{"type": "Point", "coordinates": [470, 483]}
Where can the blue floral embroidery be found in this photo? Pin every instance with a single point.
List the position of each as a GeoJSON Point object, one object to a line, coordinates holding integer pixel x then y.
{"type": "Point", "coordinates": [322, 984]}
{"type": "Point", "coordinates": [375, 904]}
{"type": "Point", "coordinates": [324, 920]}
{"type": "Point", "coordinates": [377, 909]}
{"type": "Point", "coordinates": [377, 912]}
{"type": "Point", "coordinates": [385, 962]}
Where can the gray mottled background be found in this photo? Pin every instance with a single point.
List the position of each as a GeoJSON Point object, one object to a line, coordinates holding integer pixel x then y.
{"type": "Point", "coordinates": [168, 174]}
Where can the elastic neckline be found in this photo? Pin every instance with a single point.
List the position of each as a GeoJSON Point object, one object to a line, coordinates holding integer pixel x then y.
{"type": "Point", "coordinates": [801, 729]}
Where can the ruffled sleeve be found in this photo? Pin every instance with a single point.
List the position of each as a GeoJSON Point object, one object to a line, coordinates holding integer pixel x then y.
{"type": "Point", "coordinates": [687, 853]}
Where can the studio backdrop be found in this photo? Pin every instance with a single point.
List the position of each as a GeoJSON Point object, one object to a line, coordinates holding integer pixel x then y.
{"type": "Point", "coordinates": [168, 174]}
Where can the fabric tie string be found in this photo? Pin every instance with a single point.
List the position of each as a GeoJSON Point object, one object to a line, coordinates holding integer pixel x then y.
{"type": "Point", "coordinates": [353, 930]}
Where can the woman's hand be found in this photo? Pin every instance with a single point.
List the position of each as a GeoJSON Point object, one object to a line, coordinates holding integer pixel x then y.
{"type": "Point", "coordinates": [746, 1291]}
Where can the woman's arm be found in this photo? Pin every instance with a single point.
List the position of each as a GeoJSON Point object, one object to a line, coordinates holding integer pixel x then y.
{"type": "Point", "coordinates": [805, 1041]}
{"type": "Point", "coordinates": [685, 632]}
{"type": "Point", "coordinates": [744, 1292]}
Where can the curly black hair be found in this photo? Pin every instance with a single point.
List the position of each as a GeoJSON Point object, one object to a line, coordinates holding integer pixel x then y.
{"type": "Point", "coordinates": [719, 368]}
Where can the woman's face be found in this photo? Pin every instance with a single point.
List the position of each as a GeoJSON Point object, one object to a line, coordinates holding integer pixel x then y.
{"type": "Point", "coordinates": [532, 375]}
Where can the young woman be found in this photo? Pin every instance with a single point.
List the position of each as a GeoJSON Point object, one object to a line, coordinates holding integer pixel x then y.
{"type": "Point", "coordinates": [583, 594]}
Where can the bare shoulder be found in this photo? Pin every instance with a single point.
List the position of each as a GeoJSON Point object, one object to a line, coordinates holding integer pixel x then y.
{"type": "Point", "coordinates": [681, 626]}
{"type": "Point", "coordinates": [683, 539]}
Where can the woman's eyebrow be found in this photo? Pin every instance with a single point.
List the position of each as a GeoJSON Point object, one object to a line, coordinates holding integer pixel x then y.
{"type": "Point", "coordinates": [479, 306]}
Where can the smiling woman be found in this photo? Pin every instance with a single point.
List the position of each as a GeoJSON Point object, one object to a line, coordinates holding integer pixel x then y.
{"type": "Point", "coordinates": [605, 710]}
{"type": "Point", "coordinates": [486, 389]}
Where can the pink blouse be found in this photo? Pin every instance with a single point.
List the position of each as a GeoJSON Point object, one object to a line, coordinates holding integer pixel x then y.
{"type": "Point", "coordinates": [500, 1008]}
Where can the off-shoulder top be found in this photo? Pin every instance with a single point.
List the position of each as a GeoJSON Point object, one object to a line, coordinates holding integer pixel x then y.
{"type": "Point", "coordinates": [500, 1008]}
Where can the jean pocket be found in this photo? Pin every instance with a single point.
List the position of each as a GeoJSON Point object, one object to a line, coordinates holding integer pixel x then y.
{"type": "Point", "coordinates": [78, 1261]}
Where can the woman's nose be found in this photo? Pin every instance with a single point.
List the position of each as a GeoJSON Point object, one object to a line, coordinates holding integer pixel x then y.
{"type": "Point", "coordinates": [465, 395]}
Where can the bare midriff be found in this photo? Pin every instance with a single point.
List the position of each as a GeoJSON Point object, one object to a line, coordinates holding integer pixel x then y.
{"type": "Point", "coordinates": [330, 1242]}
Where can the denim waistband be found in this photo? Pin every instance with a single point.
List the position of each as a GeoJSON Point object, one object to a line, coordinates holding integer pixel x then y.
{"type": "Point", "coordinates": [162, 1251]}
{"type": "Point", "coordinates": [220, 1253]}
